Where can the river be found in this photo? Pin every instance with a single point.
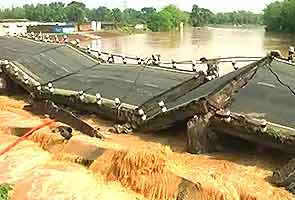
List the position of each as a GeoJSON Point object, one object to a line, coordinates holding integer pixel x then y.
{"type": "Point", "coordinates": [194, 43]}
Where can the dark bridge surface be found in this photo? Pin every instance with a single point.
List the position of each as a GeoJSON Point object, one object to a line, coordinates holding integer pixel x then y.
{"type": "Point", "coordinates": [263, 97]}
{"type": "Point", "coordinates": [266, 98]}
{"type": "Point", "coordinates": [133, 84]}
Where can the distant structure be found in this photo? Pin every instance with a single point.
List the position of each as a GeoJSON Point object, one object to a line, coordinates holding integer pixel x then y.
{"type": "Point", "coordinates": [10, 26]}
{"type": "Point", "coordinates": [22, 26]}
{"type": "Point", "coordinates": [51, 27]}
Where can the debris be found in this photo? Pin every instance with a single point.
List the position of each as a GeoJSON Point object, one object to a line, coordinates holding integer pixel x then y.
{"type": "Point", "coordinates": [64, 131]}
{"type": "Point", "coordinates": [63, 115]}
{"type": "Point", "coordinates": [125, 128]}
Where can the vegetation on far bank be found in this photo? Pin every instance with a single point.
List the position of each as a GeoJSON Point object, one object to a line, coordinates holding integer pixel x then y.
{"type": "Point", "coordinates": [202, 16]}
{"type": "Point", "coordinates": [280, 16]}
{"type": "Point", "coordinates": [165, 19]}
{"type": "Point", "coordinates": [277, 16]}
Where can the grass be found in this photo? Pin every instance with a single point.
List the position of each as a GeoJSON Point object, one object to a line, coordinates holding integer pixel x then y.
{"type": "Point", "coordinates": [4, 190]}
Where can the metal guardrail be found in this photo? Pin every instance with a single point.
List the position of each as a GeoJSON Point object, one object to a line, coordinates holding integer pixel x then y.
{"type": "Point", "coordinates": [154, 60]}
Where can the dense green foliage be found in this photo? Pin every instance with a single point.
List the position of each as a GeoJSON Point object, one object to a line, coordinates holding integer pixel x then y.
{"type": "Point", "coordinates": [202, 16]}
{"type": "Point", "coordinates": [4, 190]}
{"type": "Point", "coordinates": [239, 17]}
{"type": "Point", "coordinates": [280, 16]}
{"type": "Point", "coordinates": [168, 18]}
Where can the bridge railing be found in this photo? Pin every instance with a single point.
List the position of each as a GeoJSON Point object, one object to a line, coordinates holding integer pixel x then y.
{"type": "Point", "coordinates": [153, 60]}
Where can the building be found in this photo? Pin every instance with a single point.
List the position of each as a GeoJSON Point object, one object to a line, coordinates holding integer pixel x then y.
{"type": "Point", "coordinates": [68, 28]}
{"type": "Point", "coordinates": [11, 26]}
{"type": "Point", "coordinates": [54, 27]}
{"type": "Point", "coordinates": [95, 26]}
{"type": "Point", "coordinates": [108, 25]}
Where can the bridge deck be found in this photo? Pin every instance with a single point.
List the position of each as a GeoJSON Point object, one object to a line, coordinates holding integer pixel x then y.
{"type": "Point", "coordinates": [133, 84]}
{"type": "Point", "coordinates": [264, 96]}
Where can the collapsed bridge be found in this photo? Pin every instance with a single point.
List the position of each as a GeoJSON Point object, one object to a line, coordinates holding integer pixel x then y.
{"type": "Point", "coordinates": [253, 103]}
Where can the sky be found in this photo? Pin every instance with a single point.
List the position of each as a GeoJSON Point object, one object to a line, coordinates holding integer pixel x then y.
{"type": "Point", "coordinates": [214, 5]}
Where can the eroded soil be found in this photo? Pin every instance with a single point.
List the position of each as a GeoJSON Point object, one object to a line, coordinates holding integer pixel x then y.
{"type": "Point", "coordinates": [138, 166]}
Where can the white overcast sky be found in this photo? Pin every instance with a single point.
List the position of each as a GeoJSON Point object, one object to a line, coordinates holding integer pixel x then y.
{"type": "Point", "coordinates": [214, 5]}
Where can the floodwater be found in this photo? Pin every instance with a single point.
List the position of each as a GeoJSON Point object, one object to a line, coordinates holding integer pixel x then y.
{"type": "Point", "coordinates": [194, 43]}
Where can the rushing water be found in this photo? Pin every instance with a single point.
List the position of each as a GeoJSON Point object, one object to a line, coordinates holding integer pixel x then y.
{"type": "Point", "coordinates": [193, 43]}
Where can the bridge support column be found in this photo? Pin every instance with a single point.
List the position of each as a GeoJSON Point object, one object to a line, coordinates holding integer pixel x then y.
{"type": "Point", "coordinates": [200, 139]}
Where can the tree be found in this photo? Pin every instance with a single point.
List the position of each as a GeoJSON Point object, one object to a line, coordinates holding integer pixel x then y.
{"type": "Point", "coordinates": [117, 16]}
{"type": "Point", "coordinates": [168, 18]}
{"type": "Point", "coordinates": [76, 12]}
{"type": "Point", "coordinates": [132, 17]}
{"type": "Point", "coordinates": [102, 14]}
{"type": "Point", "coordinates": [29, 12]}
{"type": "Point", "coordinates": [41, 13]}
{"type": "Point", "coordinates": [201, 16]}
{"type": "Point", "coordinates": [57, 12]}
{"type": "Point", "coordinates": [279, 16]}
{"type": "Point", "coordinates": [147, 12]}
{"type": "Point", "coordinates": [176, 15]}
{"type": "Point", "coordinates": [160, 21]}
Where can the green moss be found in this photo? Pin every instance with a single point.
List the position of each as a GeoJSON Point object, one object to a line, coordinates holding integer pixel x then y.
{"type": "Point", "coordinates": [274, 133]}
{"type": "Point", "coordinates": [4, 190]}
{"type": "Point", "coordinates": [279, 134]}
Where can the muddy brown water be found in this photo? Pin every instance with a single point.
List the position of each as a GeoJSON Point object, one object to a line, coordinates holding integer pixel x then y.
{"type": "Point", "coordinates": [193, 43]}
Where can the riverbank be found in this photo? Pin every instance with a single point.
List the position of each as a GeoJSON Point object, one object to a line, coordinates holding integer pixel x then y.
{"type": "Point", "coordinates": [139, 166]}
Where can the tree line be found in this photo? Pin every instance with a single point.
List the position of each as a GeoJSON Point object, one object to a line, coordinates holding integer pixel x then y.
{"type": "Point", "coordinates": [280, 16]}
{"type": "Point", "coordinates": [165, 19]}
{"type": "Point", "coordinates": [202, 16]}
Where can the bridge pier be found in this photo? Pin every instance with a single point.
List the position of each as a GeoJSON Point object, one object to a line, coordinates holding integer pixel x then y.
{"type": "Point", "coordinates": [200, 139]}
